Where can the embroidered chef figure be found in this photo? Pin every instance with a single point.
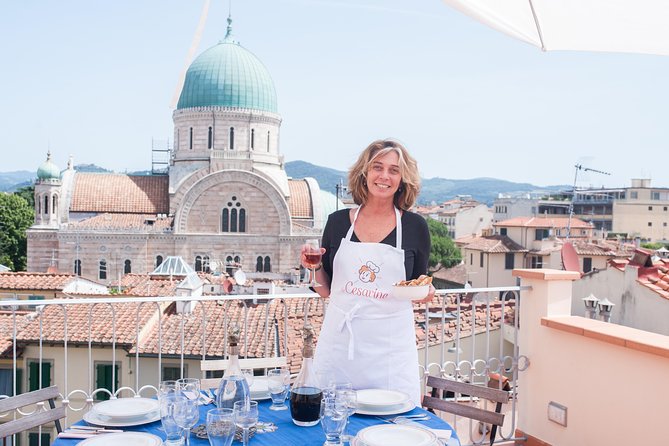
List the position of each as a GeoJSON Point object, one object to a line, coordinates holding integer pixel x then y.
{"type": "Point", "coordinates": [368, 272]}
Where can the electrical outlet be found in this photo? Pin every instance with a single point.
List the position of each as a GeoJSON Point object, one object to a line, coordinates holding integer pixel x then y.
{"type": "Point", "coordinates": [557, 413]}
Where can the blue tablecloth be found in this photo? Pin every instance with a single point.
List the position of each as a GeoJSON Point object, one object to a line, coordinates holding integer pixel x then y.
{"type": "Point", "coordinates": [287, 433]}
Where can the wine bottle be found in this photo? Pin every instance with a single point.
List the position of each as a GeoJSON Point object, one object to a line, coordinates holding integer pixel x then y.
{"type": "Point", "coordinates": [233, 386]}
{"type": "Point", "coordinates": [306, 394]}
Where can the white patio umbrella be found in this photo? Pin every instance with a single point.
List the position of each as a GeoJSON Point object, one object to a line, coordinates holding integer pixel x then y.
{"type": "Point", "coordinates": [628, 26]}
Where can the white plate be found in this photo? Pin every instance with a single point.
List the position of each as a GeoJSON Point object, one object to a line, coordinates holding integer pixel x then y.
{"type": "Point", "coordinates": [380, 398]}
{"type": "Point", "coordinates": [410, 292]}
{"type": "Point", "coordinates": [405, 407]}
{"type": "Point", "coordinates": [126, 409]}
{"type": "Point", "coordinates": [396, 435]}
{"type": "Point", "coordinates": [260, 388]}
{"type": "Point", "coordinates": [92, 417]}
{"type": "Point", "coordinates": [124, 438]}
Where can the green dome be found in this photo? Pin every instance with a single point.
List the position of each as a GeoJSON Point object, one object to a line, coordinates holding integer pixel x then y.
{"type": "Point", "coordinates": [48, 170]}
{"type": "Point", "coordinates": [228, 75]}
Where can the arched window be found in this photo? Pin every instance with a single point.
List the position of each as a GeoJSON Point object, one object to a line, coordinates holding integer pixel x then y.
{"type": "Point", "coordinates": [46, 205]}
{"type": "Point", "coordinates": [54, 204]}
{"type": "Point", "coordinates": [225, 220]}
{"type": "Point", "coordinates": [159, 261]}
{"type": "Point", "coordinates": [190, 143]}
{"type": "Point", "coordinates": [102, 271]}
{"type": "Point", "coordinates": [232, 138]}
{"type": "Point", "coordinates": [210, 138]}
{"type": "Point", "coordinates": [242, 220]}
{"type": "Point", "coordinates": [198, 263]}
{"type": "Point", "coordinates": [38, 201]}
{"type": "Point", "coordinates": [77, 267]}
{"type": "Point", "coordinates": [268, 266]}
{"type": "Point", "coordinates": [205, 264]}
{"type": "Point", "coordinates": [228, 263]}
{"type": "Point", "coordinates": [259, 264]}
{"type": "Point", "coordinates": [127, 266]}
{"type": "Point", "coordinates": [268, 140]}
{"type": "Point", "coordinates": [253, 138]}
{"type": "Point", "coordinates": [233, 220]}
{"type": "Point", "coordinates": [238, 260]}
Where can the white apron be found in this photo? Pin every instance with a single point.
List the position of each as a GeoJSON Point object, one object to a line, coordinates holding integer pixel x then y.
{"type": "Point", "coordinates": [367, 337]}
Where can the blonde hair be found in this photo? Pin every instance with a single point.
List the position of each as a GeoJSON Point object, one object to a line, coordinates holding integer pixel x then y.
{"type": "Point", "coordinates": [406, 194]}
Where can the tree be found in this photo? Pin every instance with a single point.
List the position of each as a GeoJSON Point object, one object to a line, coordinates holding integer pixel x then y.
{"type": "Point", "coordinates": [28, 194]}
{"type": "Point", "coordinates": [16, 216]}
{"type": "Point", "coordinates": [444, 251]}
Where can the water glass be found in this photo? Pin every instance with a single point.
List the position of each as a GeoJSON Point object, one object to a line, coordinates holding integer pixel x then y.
{"type": "Point", "coordinates": [186, 413]}
{"type": "Point", "coordinates": [173, 432]}
{"type": "Point", "coordinates": [246, 416]}
{"type": "Point", "coordinates": [220, 427]}
{"type": "Point", "coordinates": [278, 383]}
{"type": "Point", "coordinates": [349, 399]}
{"type": "Point", "coordinates": [333, 420]}
{"type": "Point", "coordinates": [189, 387]}
{"type": "Point", "coordinates": [167, 387]}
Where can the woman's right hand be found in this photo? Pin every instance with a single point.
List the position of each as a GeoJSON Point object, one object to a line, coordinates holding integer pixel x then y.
{"type": "Point", "coordinates": [303, 252]}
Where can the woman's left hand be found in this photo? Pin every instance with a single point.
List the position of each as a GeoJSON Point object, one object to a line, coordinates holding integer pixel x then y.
{"type": "Point", "coordinates": [430, 295]}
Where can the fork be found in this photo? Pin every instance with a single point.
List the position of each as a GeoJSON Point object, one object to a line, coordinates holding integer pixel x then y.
{"type": "Point", "coordinates": [415, 417]}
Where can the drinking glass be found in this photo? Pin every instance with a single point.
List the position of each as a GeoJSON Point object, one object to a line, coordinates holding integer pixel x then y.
{"type": "Point", "coordinates": [278, 382]}
{"type": "Point", "coordinates": [248, 375]}
{"type": "Point", "coordinates": [246, 416]}
{"type": "Point", "coordinates": [220, 427]}
{"type": "Point", "coordinates": [167, 387]}
{"type": "Point", "coordinates": [326, 382]}
{"type": "Point", "coordinates": [333, 420]}
{"type": "Point", "coordinates": [173, 432]}
{"type": "Point", "coordinates": [186, 413]}
{"type": "Point", "coordinates": [312, 256]}
{"type": "Point", "coordinates": [349, 399]}
{"type": "Point", "coordinates": [189, 387]}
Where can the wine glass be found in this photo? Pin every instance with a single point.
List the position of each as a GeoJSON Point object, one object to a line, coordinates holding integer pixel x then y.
{"type": "Point", "coordinates": [349, 399]}
{"type": "Point", "coordinates": [333, 420]}
{"type": "Point", "coordinates": [167, 387]}
{"type": "Point", "coordinates": [312, 258]}
{"type": "Point", "coordinates": [173, 432]}
{"type": "Point", "coordinates": [189, 387]}
{"type": "Point", "coordinates": [220, 427]}
{"type": "Point", "coordinates": [278, 382]}
{"type": "Point", "coordinates": [246, 416]}
{"type": "Point", "coordinates": [186, 413]}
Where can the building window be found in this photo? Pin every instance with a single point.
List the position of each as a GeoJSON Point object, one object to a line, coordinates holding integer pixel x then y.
{"type": "Point", "coordinates": [650, 208]}
{"type": "Point", "coordinates": [587, 264]}
{"type": "Point", "coordinates": [664, 224]}
{"type": "Point", "coordinates": [654, 195]}
{"type": "Point", "coordinates": [502, 231]}
{"type": "Point", "coordinates": [233, 217]}
{"type": "Point", "coordinates": [190, 143]}
{"type": "Point", "coordinates": [205, 264]}
{"type": "Point", "coordinates": [268, 141]}
{"type": "Point", "coordinates": [46, 205]}
{"type": "Point", "coordinates": [7, 382]}
{"type": "Point", "coordinates": [232, 138]}
{"type": "Point", "coordinates": [540, 234]}
{"type": "Point", "coordinates": [54, 204]}
{"type": "Point", "coordinates": [650, 223]}
{"type": "Point", "coordinates": [127, 266]}
{"type": "Point", "coordinates": [536, 262]}
{"type": "Point", "coordinates": [35, 438]}
{"type": "Point", "coordinates": [102, 272]}
{"type": "Point", "coordinates": [471, 258]}
{"type": "Point", "coordinates": [198, 264]}
{"type": "Point", "coordinates": [242, 220]}
{"type": "Point", "coordinates": [508, 260]}
{"type": "Point", "coordinates": [105, 378]}
{"type": "Point", "coordinates": [172, 372]}
{"type": "Point", "coordinates": [267, 268]}
{"type": "Point", "coordinates": [253, 138]}
{"type": "Point", "coordinates": [230, 267]}
{"type": "Point", "coordinates": [38, 201]}
{"type": "Point", "coordinates": [665, 209]}
{"type": "Point", "coordinates": [210, 138]}
{"type": "Point", "coordinates": [159, 261]}
{"type": "Point", "coordinates": [634, 195]}
{"type": "Point", "coordinates": [259, 264]}
{"type": "Point", "coordinates": [34, 382]}
{"type": "Point", "coordinates": [77, 267]}
{"type": "Point", "coordinates": [225, 220]}
{"type": "Point", "coordinates": [233, 220]}
{"type": "Point", "coordinates": [481, 260]}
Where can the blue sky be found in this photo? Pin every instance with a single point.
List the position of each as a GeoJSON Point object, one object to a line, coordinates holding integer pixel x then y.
{"type": "Point", "coordinates": [96, 80]}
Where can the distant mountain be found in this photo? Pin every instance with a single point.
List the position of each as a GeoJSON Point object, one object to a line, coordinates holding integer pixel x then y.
{"type": "Point", "coordinates": [437, 190]}
{"type": "Point", "coordinates": [484, 190]}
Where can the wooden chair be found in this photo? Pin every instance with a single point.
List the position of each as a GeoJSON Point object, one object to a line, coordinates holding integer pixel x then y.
{"type": "Point", "coordinates": [38, 418]}
{"type": "Point", "coordinates": [211, 365]}
{"type": "Point", "coordinates": [495, 418]}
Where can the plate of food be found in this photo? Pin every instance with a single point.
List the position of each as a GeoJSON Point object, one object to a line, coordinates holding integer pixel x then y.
{"type": "Point", "coordinates": [415, 289]}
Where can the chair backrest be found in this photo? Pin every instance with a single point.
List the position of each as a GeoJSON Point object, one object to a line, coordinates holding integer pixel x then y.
{"type": "Point", "coordinates": [37, 418]}
{"type": "Point", "coordinates": [211, 365]}
{"type": "Point", "coordinates": [487, 416]}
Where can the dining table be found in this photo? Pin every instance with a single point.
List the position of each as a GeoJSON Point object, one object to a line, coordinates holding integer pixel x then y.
{"type": "Point", "coordinates": [278, 429]}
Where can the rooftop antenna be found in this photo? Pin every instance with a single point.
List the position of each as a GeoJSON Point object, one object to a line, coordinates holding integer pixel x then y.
{"type": "Point", "coordinates": [573, 192]}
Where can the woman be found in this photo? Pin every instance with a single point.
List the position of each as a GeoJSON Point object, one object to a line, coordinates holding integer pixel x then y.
{"type": "Point", "coordinates": [367, 337]}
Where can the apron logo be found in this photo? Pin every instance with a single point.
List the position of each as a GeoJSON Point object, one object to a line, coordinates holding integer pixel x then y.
{"type": "Point", "coordinates": [367, 272]}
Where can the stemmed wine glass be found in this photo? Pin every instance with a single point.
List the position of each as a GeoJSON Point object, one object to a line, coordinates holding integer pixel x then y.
{"type": "Point", "coordinates": [312, 258]}
{"type": "Point", "coordinates": [246, 416]}
{"type": "Point", "coordinates": [220, 427]}
{"type": "Point", "coordinates": [186, 413]}
{"type": "Point", "coordinates": [189, 387]}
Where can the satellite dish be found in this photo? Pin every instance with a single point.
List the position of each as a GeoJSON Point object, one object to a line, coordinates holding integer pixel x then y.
{"type": "Point", "coordinates": [213, 266]}
{"type": "Point", "coordinates": [570, 258]}
{"type": "Point", "coordinates": [240, 277]}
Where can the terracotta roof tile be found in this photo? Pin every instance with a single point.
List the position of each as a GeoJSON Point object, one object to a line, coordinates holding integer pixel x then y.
{"type": "Point", "coordinates": [7, 331]}
{"type": "Point", "coordinates": [300, 199]}
{"type": "Point", "coordinates": [495, 244]}
{"type": "Point", "coordinates": [544, 222]}
{"type": "Point", "coordinates": [126, 222]}
{"type": "Point", "coordinates": [34, 281]}
{"type": "Point", "coordinates": [116, 193]}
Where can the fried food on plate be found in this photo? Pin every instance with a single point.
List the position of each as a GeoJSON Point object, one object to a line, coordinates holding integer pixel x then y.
{"type": "Point", "coordinates": [422, 280]}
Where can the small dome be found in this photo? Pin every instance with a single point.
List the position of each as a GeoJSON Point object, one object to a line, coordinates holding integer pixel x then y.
{"type": "Point", "coordinates": [228, 75]}
{"type": "Point", "coordinates": [48, 170]}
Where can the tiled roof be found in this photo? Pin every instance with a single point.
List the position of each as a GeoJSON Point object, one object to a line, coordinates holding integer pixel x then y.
{"type": "Point", "coordinates": [655, 278]}
{"type": "Point", "coordinates": [456, 274]}
{"type": "Point", "coordinates": [117, 193]}
{"type": "Point", "coordinates": [544, 222]}
{"type": "Point", "coordinates": [586, 248]}
{"type": "Point", "coordinates": [128, 222]}
{"type": "Point", "coordinates": [300, 199]}
{"type": "Point", "coordinates": [34, 281]}
{"type": "Point", "coordinates": [7, 331]}
{"type": "Point", "coordinates": [495, 244]}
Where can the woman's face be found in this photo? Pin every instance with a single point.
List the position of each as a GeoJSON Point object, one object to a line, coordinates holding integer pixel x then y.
{"type": "Point", "coordinates": [383, 176]}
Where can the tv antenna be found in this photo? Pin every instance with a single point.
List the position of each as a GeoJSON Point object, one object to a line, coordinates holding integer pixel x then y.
{"type": "Point", "coordinates": [573, 192]}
